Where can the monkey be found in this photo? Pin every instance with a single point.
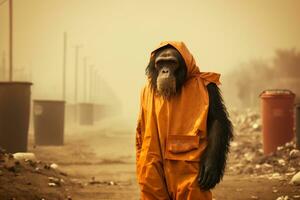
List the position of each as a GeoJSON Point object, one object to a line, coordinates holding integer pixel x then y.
{"type": "Point", "coordinates": [168, 75]}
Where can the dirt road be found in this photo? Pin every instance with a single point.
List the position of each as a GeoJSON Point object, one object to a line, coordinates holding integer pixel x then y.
{"type": "Point", "coordinates": [101, 164]}
{"type": "Point", "coordinates": [98, 163]}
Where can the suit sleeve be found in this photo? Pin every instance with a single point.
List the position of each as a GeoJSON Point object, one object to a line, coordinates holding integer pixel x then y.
{"type": "Point", "coordinates": [140, 128]}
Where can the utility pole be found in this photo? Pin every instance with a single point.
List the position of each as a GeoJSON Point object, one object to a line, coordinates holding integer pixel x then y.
{"type": "Point", "coordinates": [99, 85]}
{"type": "Point", "coordinates": [91, 82]}
{"type": "Point", "coordinates": [85, 79]}
{"type": "Point", "coordinates": [3, 66]}
{"type": "Point", "coordinates": [65, 45]}
{"type": "Point", "coordinates": [77, 47]}
{"type": "Point", "coordinates": [10, 40]}
{"type": "Point", "coordinates": [96, 86]}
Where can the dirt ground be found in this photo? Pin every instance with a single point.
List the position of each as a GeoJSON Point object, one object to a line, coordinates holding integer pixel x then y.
{"type": "Point", "coordinates": [98, 163]}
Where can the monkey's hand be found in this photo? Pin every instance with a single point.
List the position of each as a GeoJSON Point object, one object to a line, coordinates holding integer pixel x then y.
{"type": "Point", "coordinates": [209, 175]}
{"type": "Point", "coordinates": [213, 160]}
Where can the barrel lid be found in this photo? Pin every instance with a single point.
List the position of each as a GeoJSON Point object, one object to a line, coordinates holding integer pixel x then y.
{"type": "Point", "coordinates": [85, 103]}
{"type": "Point", "coordinates": [277, 93]}
{"type": "Point", "coordinates": [48, 101]}
{"type": "Point", "coordinates": [15, 83]}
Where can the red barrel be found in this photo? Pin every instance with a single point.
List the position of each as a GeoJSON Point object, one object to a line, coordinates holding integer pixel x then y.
{"type": "Point", "coordinates": [298, 126]}
{"type": "Point", "coordinates": [277, 118]}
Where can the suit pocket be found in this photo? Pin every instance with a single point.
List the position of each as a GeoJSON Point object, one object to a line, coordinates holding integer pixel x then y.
{"type": "Point", "coordinates": [184, 147]}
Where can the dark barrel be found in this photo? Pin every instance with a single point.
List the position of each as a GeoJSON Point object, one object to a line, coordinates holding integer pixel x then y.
{"type": "Point", "coordinates": [98, 112]}
{"type": "Point", "coordinates": [49, 122]}
{"type": "Point", "coordinates": [277, 118]}
{"type": "Point", "coordinates": [86, 113]}
{"type": "Point", "coordinates": [70, 114]}
{"type": "Point", "coordinates": [14, 115]}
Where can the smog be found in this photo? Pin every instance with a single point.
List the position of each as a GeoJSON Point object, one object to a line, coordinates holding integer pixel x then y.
{"type": "Point", "coordinates": [73, 111]}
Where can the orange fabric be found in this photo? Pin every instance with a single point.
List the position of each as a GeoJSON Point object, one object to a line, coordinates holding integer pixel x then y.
{"type": "Point", "coordinates": [171, 136]}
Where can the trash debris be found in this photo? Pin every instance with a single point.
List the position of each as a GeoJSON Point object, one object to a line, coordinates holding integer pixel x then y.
{"type": "Point", "coordinates": [28, 173]}
{"type": "Point", "coordinates": [295, 153]}
{"type": "Point", "coordinates": [275, 191]}
{"type": "Point", "coordinates": [95, 182]}
{"type": "Point", "coordinates": [296, 179]}
{"type": "Point", "coordinates": [31, 163]}
{"type": "Point", "coordinates": [52, 184]}
{"type": "Point", "coordinates": [24, 156]}
{"type": "Point", "coordinates": [112, 183]}
{"type": "Point", "coordinates": [246, 122]}
{"type": "Point", "coordinates": [283, 198]}
{"type": "Point", "coordinates": [247, 151]}
{"type": "Point", "coordinates": [53, 166]}
{"type": "Point", "coordinates": [37, 169]}
{"type": "Point", "coordinates": [55, 181]}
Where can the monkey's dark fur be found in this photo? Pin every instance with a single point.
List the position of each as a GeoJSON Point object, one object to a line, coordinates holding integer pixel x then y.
{"type": "Point", "coordinates": [220, 131]}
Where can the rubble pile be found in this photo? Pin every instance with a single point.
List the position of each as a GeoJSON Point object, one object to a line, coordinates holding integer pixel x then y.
{"type": "Point", "coordinates": [19, 162]}
{"type": "Point", "coordinates": [247, 156]}
{"type": "Point", "coordinates": [248, 121]}
{"type": "Point", "coordinates": [251, 160]}
{"type": "Point", "coordinates": [31, 178]}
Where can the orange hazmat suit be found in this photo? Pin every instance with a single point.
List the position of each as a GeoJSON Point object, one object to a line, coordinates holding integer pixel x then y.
{"type": "Point", "coordinates": [171, 136]}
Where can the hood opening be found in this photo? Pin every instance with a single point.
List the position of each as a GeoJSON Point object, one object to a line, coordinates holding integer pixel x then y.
{"type": "Point", "coordinates": [188, 58]}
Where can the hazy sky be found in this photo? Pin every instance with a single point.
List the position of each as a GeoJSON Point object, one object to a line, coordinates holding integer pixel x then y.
{"type": "Point", "coordinates": [119, 35]}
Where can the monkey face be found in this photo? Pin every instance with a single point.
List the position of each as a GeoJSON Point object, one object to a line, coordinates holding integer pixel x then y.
{"type": "Point", "coordinates": [166, 64]}
{"type": "Point", "coordinates": [167, 72]}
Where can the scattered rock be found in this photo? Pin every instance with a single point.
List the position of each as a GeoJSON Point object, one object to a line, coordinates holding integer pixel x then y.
{"type": "Point", "coordinates": [55, 181]}
{"type": "Point", "coordinates": [53, 166]}
{"type": "Point", "coordinates": [31, 163]}
{"type": "Point", "coordinates": [296, 179]}
{"type": "Point", "coordinates": [13, 168]}
{"type": "Point", "coordinates": [112, 183]}
{"type": "Point", "coordinates": [254, 197]}
{"type": "Point", "coordinates": [95, 182]}
{"type": "Point", "coordinates": [295, 153]}
{"type": "Point", "coordinates": [283, 198]}
{"type": "Point", "coordinates": [37, 169]}
{"type": "Point", "coordinates": [63, 173]}
{"type": "Point", "coordinates": [47, 166]}
{"type": "Point", "coordinates": [52, 185]}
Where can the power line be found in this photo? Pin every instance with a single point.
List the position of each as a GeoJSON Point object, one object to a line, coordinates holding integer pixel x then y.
{"type": "Point", "coordinates": [1, 3]}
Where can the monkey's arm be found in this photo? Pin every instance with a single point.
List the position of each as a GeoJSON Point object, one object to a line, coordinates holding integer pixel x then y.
{"type": "Point", "coordinates": [220, 133]}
